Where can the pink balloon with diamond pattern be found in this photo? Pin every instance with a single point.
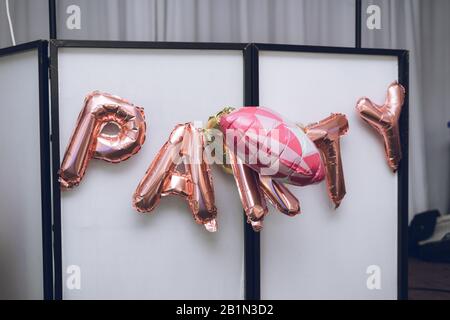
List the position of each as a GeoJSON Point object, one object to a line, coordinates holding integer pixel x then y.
{"type": "Point", "coordinates": [272, 146]}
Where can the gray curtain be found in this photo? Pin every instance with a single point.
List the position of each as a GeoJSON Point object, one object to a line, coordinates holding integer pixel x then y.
{"type": "Point", "coordinates": [401, 29]}
{"type": "Point", "coordinates": [30, 21]}
{"type": "Point", "coordinates": [421, 26]}
{"type": "Point", "coordinates": [435, 76]}
{"type": "Point", "coordinates": [315, 22]}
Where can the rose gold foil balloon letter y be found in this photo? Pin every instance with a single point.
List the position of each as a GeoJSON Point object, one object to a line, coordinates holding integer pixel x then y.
{"type": "Point", "coordinates": [89, 141]}
{"type": "Point", "coordinates": [384, 119]}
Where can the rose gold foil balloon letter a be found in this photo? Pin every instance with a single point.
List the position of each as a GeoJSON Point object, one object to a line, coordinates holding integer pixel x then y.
{"type": "Point", "coordinates": [194, 182]}
{"type": "Point", "coordinates": [384, 119]}
{"type": "Point", "coordinates": [89, 141]}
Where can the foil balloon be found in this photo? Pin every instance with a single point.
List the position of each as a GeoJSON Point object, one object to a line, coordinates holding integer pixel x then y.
{"type": "Point", "coordinates": [89, 139]}
{"type": "Point", "coordinates": [280, 196]}
{"type": "Point", "coordinates": [326, 135]}
{"type": "Point", "coordinates": [194, 182]}
{"type": "Point", "coordinates": [213, 124]}
{"type": "Point", "coordinates": [253, 189]}
{"type": "Point", "coordinates": [271, 146]}
{"type": "Point", "coordinates": [384, 119]}
{"type": "Point", "coordinates": [250, 192]}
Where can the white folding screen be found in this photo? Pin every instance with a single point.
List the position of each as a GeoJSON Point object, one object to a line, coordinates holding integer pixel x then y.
{"type": "Point", "coordinates": [163, 255]}
{"type": "Point", "coordinates": [326, 253]}
{"type": "Point", "coordinates": [117, 253]}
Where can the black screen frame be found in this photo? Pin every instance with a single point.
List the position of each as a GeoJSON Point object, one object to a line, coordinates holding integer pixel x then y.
{"type": "Point", "coordinates": [251, 97]}
{"type": "Point", "coordinates": [55, 45]}
{"type": "Point", "coordinates": [402, 173]}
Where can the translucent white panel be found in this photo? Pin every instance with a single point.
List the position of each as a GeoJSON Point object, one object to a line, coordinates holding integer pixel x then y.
{"type": "Point", "coordinates": [21, 274]}
{"type": "Point", "coordinates": [324, 253]}
{"type": "Point", "coordinates": [123, 254]}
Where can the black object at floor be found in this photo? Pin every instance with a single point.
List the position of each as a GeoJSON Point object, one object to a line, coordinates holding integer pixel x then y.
{"type": "Point", "coordinates": [430, 236]}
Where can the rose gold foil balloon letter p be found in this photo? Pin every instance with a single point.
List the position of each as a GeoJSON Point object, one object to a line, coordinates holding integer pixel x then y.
{"type": "Point", "coordinates": [384, 119]}
{"type": "Point", "coordinates": [89, 140]}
